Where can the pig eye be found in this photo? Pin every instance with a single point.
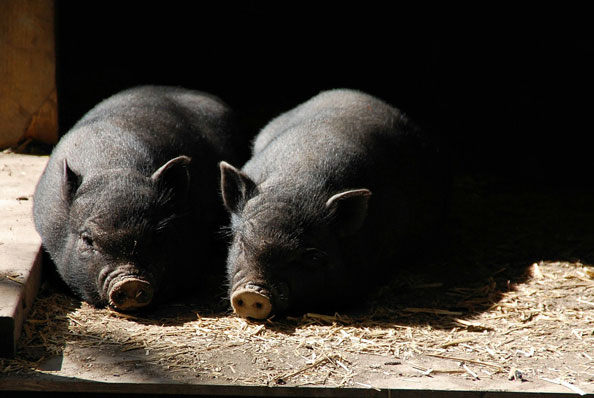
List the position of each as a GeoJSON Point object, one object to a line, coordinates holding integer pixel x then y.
{"type": "Point", "coordinates": [86, 239]}
{"type": "Point", "coordinates": [315, 258]}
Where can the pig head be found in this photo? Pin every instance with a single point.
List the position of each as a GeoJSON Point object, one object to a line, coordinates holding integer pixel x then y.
{"type": "Point", "coordinates": [288, 249]}
{"type": "Point", "coordinates": [120, 228]}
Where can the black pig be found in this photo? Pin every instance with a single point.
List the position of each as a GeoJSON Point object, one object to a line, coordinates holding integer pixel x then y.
{"type": "Point", "coordinates": [129, 201]}
{"type": "Point", "coordinates": [336, 192]}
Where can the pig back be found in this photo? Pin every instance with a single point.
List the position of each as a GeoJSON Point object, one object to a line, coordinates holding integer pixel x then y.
{"type": "Point", "coordinates": [143, 127]}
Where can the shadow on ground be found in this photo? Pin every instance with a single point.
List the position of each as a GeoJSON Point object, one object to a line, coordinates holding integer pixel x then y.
{"type": "Point", "coordinates": [495, 232]}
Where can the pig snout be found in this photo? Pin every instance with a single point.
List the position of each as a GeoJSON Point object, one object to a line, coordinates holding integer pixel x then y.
{"type": "Point", "coordinates": [130, 294]}
{"type": "Point", "coordinates": [126, 288]}
{"type": "Point", "coordinates": [251, 302]}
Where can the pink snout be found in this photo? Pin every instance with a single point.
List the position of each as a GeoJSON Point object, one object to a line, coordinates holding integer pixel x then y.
{"type": "Point", "coordinates": [130, 294]}
{"type": "Point", "coordinates": [249, 303]}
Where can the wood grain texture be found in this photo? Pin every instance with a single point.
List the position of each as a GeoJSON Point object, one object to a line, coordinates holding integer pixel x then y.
{"type": "Point", "coordinates": [28, 100]}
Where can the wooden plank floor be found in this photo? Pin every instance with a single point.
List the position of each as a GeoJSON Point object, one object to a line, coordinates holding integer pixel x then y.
{"type": "Point", "coordinates": [84, 387]}
{"type": "Point", "coordinates": [20, 259]}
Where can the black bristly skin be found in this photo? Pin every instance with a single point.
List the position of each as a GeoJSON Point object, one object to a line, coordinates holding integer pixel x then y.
{"type": "Point", "coordinates": [337, 192]}
{"type": "Point", "coordinates": [133, 186]}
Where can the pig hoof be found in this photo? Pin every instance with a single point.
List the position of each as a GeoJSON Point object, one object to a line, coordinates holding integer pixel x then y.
{"type": "Point", "coordinates": [248, 303]}
{"type": "Point", "coordinates": [130, 294]}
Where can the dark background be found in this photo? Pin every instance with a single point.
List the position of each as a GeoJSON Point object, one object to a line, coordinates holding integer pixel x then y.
{"type": "Point", "coordinates": [512, 97]}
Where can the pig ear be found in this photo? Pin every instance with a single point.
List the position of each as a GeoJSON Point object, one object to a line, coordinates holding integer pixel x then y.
{"type": "Point", "coordinates": [174, 174]}
{"type": "Point", "coordinates": [70, 181]}
{"type": "Point", "coordinates": [236, 187]}
{"type": "Point", "coordinates": [349, 209]}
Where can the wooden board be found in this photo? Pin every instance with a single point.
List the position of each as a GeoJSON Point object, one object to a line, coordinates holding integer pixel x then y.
{"type": "Point", "coordinates": [20, 256]}
{"type": "Point", "coordinates": [61, 384]}
{"type": "Point", "coordinates": [28, 100]}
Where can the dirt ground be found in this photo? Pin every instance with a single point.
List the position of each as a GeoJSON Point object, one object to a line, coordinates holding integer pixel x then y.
{"type": "Point", "coordinates": [506, 302]}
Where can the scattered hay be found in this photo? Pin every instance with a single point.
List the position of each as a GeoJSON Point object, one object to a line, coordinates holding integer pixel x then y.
{"type": "Point", "coordinates": [544, 328]}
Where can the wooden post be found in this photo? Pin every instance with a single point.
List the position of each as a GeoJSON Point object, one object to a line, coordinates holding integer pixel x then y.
{"type": "Point", "coordinates": [28, 99]}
